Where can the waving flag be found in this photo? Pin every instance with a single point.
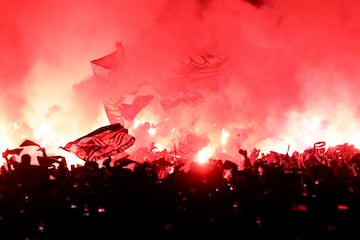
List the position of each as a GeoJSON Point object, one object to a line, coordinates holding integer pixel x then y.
{"type": "Point", "coordinates": [27, 143]}
{"type": "Point", "coordinates": [15, 151]}
{"type": "Point", "coordinates": [113, 113]}
{"type": "Point", "coordinates": [126, 109]}
{"type": "Point", "coordinates": [101, 143]}
{"type": "Point", "coordinates": [104, 66]}
{"type": "Point", "coordinates": [18, 152]}
{"type": "Point", "coordinates": [131, 108]}
{"type": "Point", "coordinates": [205, 71]}
{"type": "Point", "coordinates": [185, 97]}
{"type": "Point", "coordinates": [123, 108]}
{"type": "Point", "coordinates": [198, 73]}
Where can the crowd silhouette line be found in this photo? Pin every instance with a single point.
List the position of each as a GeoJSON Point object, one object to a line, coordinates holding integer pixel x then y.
{"type": "Point", "coordinates": [305, 195]}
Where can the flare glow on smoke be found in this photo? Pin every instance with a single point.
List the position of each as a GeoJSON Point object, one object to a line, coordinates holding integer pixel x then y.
{"type": "Point", "coordinates": [294, 74]}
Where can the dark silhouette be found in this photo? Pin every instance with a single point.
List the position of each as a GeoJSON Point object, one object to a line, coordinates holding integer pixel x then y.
{"type": "Point", "coordinates": [271, 195]}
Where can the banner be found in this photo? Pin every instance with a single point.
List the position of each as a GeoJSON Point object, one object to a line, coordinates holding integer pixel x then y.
{"type": "Point", "coordinates": [181, 97]}
{"type": "Point", "coordinates": [101, 143]}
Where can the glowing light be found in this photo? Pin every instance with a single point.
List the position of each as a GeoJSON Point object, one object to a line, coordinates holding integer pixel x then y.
{"type": "Point", "coordinates": [16, 126]}
{"type": "Point", "coordinates": [152, 131]}
{"type": "Point", "coordinates": [224, 137]}
{"type": "Point", "coordinates": [136, 123]}
{"type": "Point", "coordinates": [306, 80]}
{"type": "Point", "coordinates": [71, 159]}
{"type": "Point", "coordinates": [204, 154]}
{"type": "Point", "coordinates": [41, 131]}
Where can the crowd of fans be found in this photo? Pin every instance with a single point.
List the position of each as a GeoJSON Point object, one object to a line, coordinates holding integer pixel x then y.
{"type": "Point", "coordinates": [303, 195]}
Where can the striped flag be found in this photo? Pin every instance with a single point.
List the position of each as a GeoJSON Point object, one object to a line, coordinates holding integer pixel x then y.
{"type": "Point", "coordinates": [101, 143]}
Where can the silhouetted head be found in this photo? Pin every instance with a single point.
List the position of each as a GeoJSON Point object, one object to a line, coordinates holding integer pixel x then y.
{"type": "Point", "coordinates": [25, 159]}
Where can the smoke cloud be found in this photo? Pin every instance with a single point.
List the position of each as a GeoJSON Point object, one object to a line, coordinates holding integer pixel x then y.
{"type": "Point", "coordinates": [294, 74]}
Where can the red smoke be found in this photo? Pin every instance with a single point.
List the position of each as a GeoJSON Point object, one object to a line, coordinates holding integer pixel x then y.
{"type": "Point", "coordinates": [295, 78]}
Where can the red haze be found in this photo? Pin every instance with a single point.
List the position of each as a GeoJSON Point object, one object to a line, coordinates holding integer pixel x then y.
{"type": "Point", "coordinates": [294, 80]}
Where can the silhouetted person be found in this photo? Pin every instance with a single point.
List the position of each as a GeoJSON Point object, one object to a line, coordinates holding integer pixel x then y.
{"type": "Point", "coordinates": [247, 162]}
{"type": "Point", "coordinates": [23, 173]}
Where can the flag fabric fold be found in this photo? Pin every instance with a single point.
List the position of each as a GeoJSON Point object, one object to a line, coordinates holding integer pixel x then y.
{"type": "Point", "coordinates": [101, 143]}
{"type": "Point", "coordinates": [102, 67]}
{"type": "Point", "coordinates": [131, 109]}
{"type": "Point", "coordinates": [27, 143]}
{"type": "Point", "coordinates": [184, 97]}
{"type": "Point", "coordinates": [113, 113]}
{"type": "Point", "coordinates": [121, 109]}
{"type": "Point", "coordinates": [126, 109]}
{"type": "Point", "coordinates": [15, 151]}
{"type": "Point", "coordinates": [205, 71]}
{"type": "Point", "coordinates": [193, 78]}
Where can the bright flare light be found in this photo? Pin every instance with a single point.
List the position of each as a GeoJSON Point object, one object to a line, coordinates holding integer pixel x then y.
{"type": "Point", "coordinates": [152, 131]}
{"type": "Point", "coordinates": [204, 154]}
{"type": "Point", "coordinates": [303, 92]}
{"type": "Point", "coordinates": [71, 159]}
{"type": "Point", "coordinates": [224, 137]}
